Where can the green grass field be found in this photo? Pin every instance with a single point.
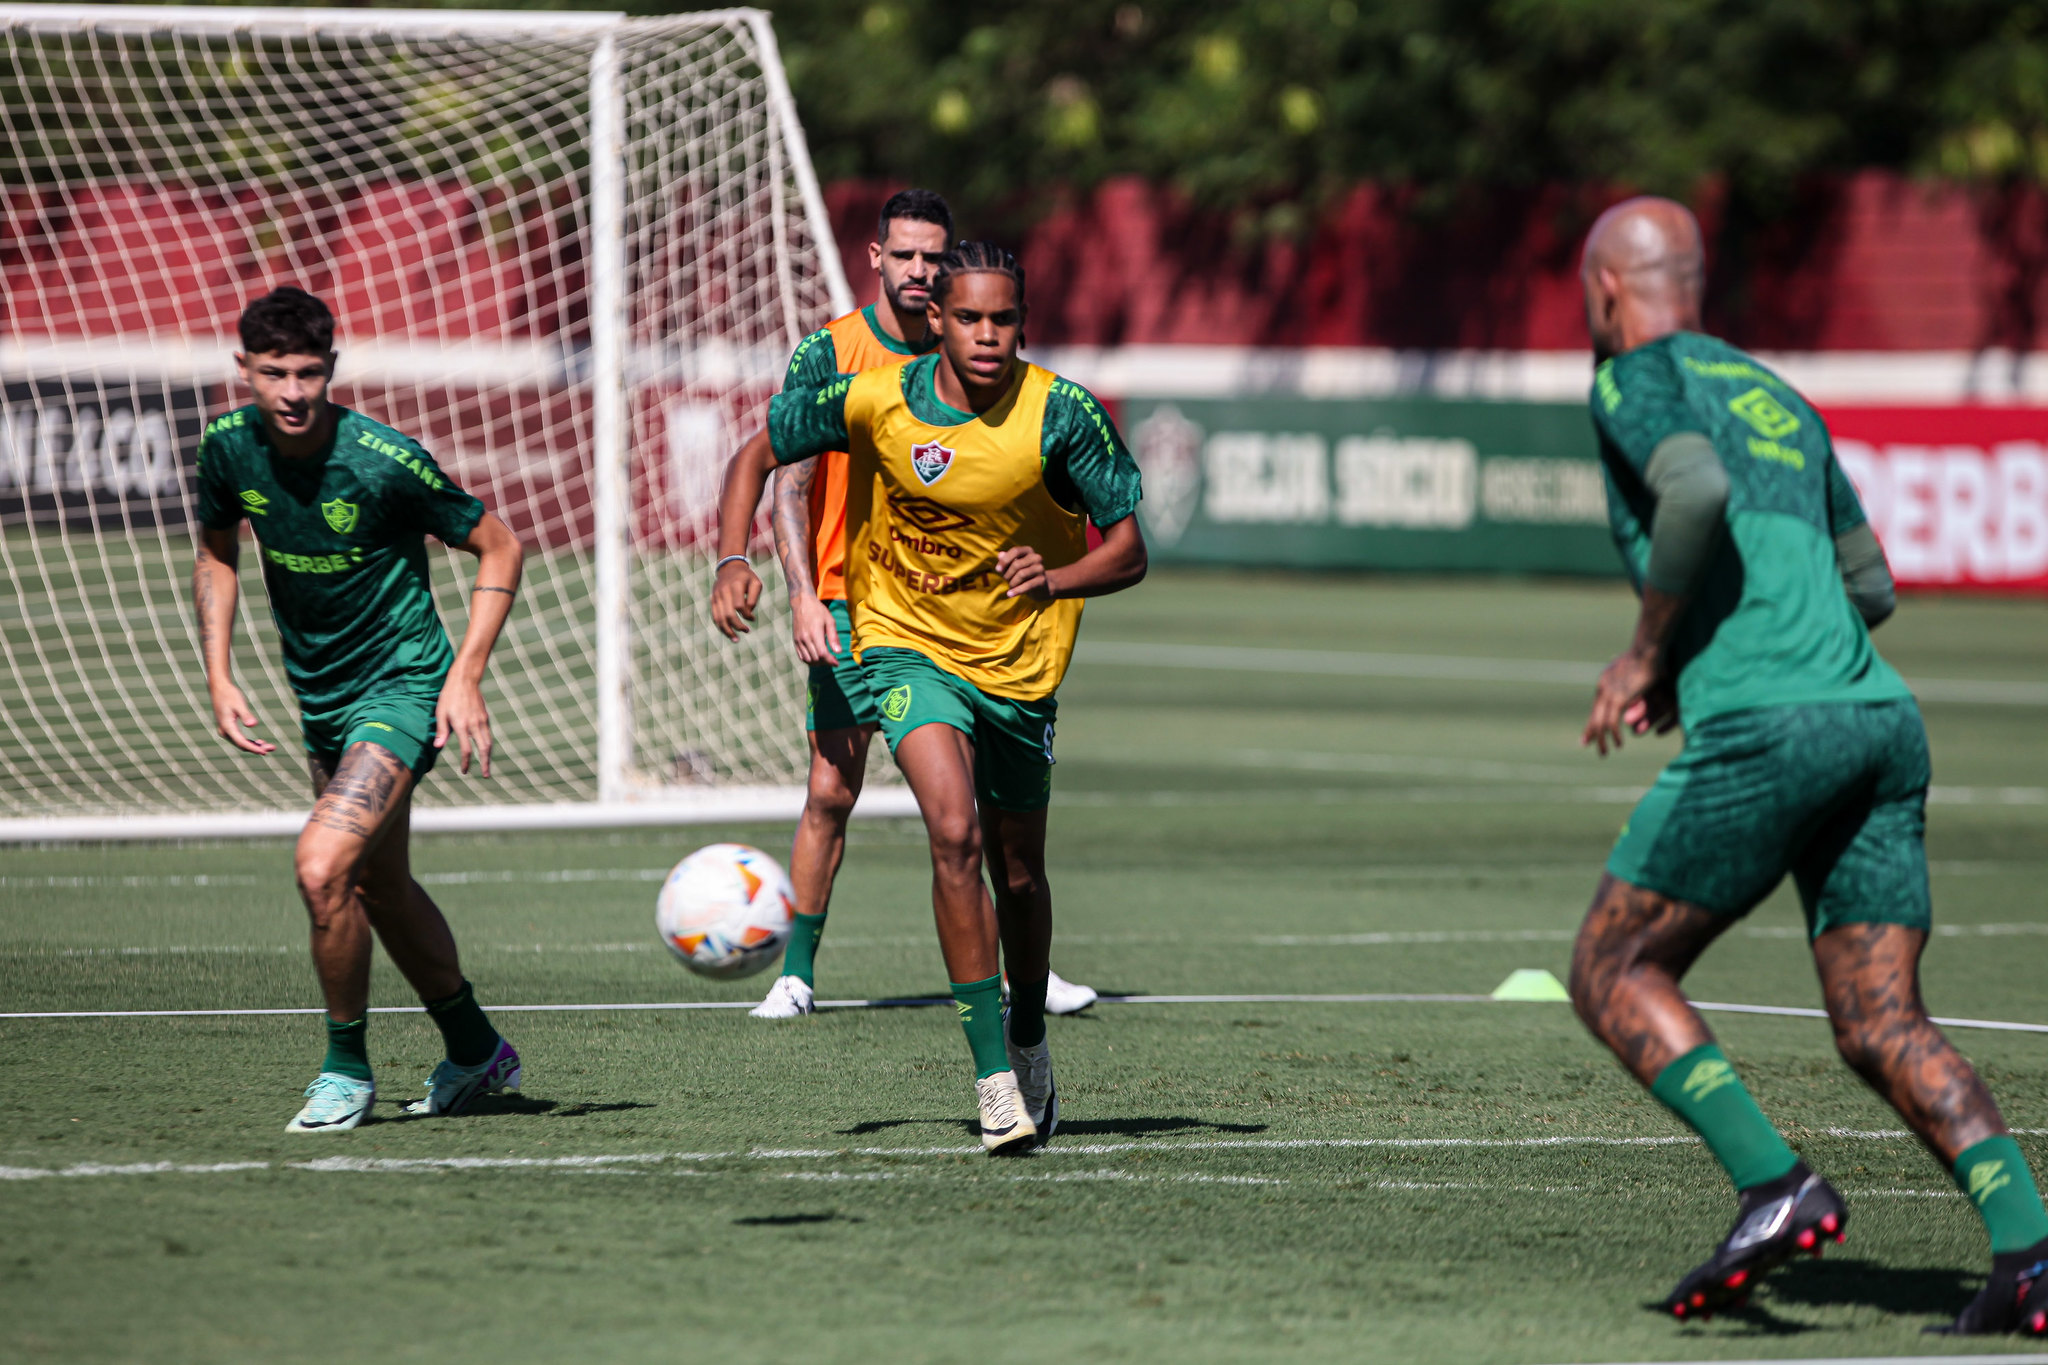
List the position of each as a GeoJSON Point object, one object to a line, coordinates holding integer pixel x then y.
{"type": "Point", "coordinates": [1466, 1181]}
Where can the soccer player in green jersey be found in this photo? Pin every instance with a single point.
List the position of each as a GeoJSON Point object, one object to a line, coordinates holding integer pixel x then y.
{"type": "Point", "coordinates": [340, 506]}
{"type": "Point", "coordinates": [1804, 753]}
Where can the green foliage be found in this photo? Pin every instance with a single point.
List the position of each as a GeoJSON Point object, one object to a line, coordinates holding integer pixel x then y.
{"type": "Point", "coordinates": [1278, 100]}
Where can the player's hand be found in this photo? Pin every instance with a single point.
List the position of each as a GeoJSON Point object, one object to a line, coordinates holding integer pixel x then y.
{"type": "Point", "coordinates": [231, 716]}
{"type": "Point", "coordinates": [1622, 687]}
{"type": "Point", "coordinates": [1025, 569]}
{"type": "Point", "coordinates": [460, 712]}
{"type": "Point", "coordinates": [1656, 709]}
{"type": "Point", "coordinates": [817, 634]}
{"type": "Point", "coordinates": [733, 596]}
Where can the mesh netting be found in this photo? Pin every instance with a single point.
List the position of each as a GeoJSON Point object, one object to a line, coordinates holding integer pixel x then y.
{"type": "Point", "coordinates": [433, 185]}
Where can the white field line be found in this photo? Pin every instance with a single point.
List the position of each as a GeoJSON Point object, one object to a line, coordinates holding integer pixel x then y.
{"type": "Point", "coordinates": [572, 875]}
{"type": "Point", "coordinates": [696, 1162]}
{"type": "Point", "coordinates": [1370, 939]}
{"type": "Point", "coordinates": [921, 1001]}
{"type": "Point", "coordinates": [1465, 668]}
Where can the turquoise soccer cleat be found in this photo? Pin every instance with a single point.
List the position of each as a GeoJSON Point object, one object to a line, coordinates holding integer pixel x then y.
{"type": "Point", "coordinates": [334, 1104]}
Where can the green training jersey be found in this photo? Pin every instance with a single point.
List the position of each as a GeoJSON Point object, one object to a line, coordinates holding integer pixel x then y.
{"type": "Point", "coordinates": [1086, 465]}
{"type": "Point", "coordinates": [816, 361]}
{"type": "Point", "coordinates": [342, 540]}
{"type": "Point", "coordinates": [1770, 624]}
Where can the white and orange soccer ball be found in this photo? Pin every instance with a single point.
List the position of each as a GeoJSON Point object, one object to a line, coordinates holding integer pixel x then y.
{"type": "Point", "coordinates": [725, 911]}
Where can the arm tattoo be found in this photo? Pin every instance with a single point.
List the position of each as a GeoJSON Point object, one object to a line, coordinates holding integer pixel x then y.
{"type": "Point", "coordinates": [791, 519]}
{"type": "Point", "coordinates": [509, 592]}
{"type": "Point", "coordinates": [361, 791]}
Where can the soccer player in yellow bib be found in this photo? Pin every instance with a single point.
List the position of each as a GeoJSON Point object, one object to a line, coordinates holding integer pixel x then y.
{"type": "Point", "coordinates": [972, 479]}
{"type": "Point", "coordinates": [914, 230]}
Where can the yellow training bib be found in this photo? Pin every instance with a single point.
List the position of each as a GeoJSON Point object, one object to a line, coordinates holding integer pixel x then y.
{"type": "Point", "coordinates": [928, 508]}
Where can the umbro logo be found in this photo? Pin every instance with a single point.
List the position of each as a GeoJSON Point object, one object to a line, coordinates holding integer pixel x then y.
{"type": "Point", "coordinates": [927, 514]}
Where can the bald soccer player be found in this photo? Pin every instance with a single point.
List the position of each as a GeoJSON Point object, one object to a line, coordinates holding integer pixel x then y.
{"type": "Point", "coordinates": [1804, 753]}
{"type": "Point", "coordinates": [914, 230]}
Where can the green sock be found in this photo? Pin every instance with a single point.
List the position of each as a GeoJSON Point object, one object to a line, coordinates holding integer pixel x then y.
{"type": "Point", "coordinates": [1704, 1090]}
{"type": "Point", "coordinates": [801, 958]}
{"type": "Point", "coordinates": [1027, 1012]}
{"type": "Point", "coordinates": [348, 1049]}
{"type": "Point", "coordinates": [981, 1017]}
{"type": "Point", "coordinates": [1994, 1175]}
{"type": "Point", "coordinates": [464, 1028]}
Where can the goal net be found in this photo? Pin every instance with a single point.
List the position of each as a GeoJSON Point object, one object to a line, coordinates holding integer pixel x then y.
{"type": "Point", "coordinates": [568, 252]}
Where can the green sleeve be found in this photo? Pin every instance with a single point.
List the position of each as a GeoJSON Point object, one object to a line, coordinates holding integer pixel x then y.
{"type": "Point", "coordinates": [1637, 404]}
{"type": "Point", "coordinates": [1691, 486]}
{"type": "Point", "coordinates": [813, 364]}
{"type": "Point", "coordinates": [1845, 509]}
{"type": "Point", "coordinates": [1087, 465]}
{"type": "Point", "coordinates": [807, 422]}
{"type": "Point", "coordinates": [219, 508]}
{"type": "Point", "coordinates": [432, 501]}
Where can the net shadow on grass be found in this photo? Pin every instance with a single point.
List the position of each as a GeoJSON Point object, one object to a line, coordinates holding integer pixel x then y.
{"type": "Point", "coordinates": [793, 1220]}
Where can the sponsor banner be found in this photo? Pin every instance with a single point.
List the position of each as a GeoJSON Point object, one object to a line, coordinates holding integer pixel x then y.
{"type": "Point", "coordinates": [1958, 496]}
{"type": "Point", "coordinates": [1397, 483]}
{"type": "Point", "coordinates": [78, 450]}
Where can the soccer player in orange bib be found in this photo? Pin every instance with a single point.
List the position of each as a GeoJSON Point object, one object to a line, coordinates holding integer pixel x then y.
{"type": "Point", "coordinates": [972, 478]}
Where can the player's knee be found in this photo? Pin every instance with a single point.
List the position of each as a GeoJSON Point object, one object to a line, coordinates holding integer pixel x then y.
{"type": "Point", "coordinates": [830, 796]}
{"type": "Point", "coordinates": [1022, 881]}
{"type": "Point", "coordinates": [956, 842]}
{"type": "Point", "coordinates": [325, 879]}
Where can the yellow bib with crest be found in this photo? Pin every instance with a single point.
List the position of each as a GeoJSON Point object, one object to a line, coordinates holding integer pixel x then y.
{"type": "Point", "coordinates": [928, 509]}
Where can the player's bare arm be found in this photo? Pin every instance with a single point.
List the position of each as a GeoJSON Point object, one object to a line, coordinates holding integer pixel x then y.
{"type": "Point", "coordinates": [736, 589]}
{"type": "Point", "coordinates": [1119, 562]}
{"type": "Point", "coordinates": [816, 634]}
{"type": "Point", "coordinates": [216, 587]}
{"type": "Point", "coordinates": [461, 711]}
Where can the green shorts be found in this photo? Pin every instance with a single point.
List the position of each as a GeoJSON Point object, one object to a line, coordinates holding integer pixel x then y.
{"type": "Point", "coordinates": [1012, 739]}
{"type": "Point", "coordinates": [402, 722]}
{"type": "Point", "coordinates": [1834, 794]}
{"type": "Point", "coordinates": [839, 697]}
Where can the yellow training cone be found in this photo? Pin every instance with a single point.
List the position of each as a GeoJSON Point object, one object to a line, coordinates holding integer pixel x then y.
{"type": "Point", "coordinates": [1531, 983]}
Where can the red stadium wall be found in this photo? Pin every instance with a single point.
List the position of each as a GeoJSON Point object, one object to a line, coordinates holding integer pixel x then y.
{"type": "Point", "coordinates": [1871, 262]}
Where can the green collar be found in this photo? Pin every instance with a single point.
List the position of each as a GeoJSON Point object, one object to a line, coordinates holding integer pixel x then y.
{"type": "Point", "coordinates": [921, 392]}
{"type": "Point", "coordinates": [888, 342]}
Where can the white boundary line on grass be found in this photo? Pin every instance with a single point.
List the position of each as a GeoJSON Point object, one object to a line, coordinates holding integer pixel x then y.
{"type": "Point", "coordinates": [925, 1001]}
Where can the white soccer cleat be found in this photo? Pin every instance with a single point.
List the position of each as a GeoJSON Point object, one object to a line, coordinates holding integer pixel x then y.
{"type": "Point", "coordinates": [786, 999]}
{"type": "Point", "coordinates": [1032, 1067]}
{"type": "Point", "coordinates": [334, 1104]}
{"type": "Point", "coordinates": [1005, 1127]}
{"type": "Point", "coordinates": [1066, 997]}
{"type": "Point", "coordinates": [451, 1088]}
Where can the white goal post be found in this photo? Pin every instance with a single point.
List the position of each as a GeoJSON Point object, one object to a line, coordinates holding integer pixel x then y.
{"type": "Point", "coordinates": [569, 252]}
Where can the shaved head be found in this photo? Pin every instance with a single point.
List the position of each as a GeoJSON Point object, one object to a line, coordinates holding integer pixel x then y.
{"type": "Point", "coordinates": [1644, 270]}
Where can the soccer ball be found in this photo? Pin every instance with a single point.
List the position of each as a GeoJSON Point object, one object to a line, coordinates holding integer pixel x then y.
{"type": "Point", "coordinates": [725, 911]}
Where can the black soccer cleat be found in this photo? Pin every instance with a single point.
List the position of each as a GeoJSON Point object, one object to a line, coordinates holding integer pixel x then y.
{"type": "Point", "coordinates": [2014, 1299]}
{"type": "Point", "coordinates": [1798, 1212]}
